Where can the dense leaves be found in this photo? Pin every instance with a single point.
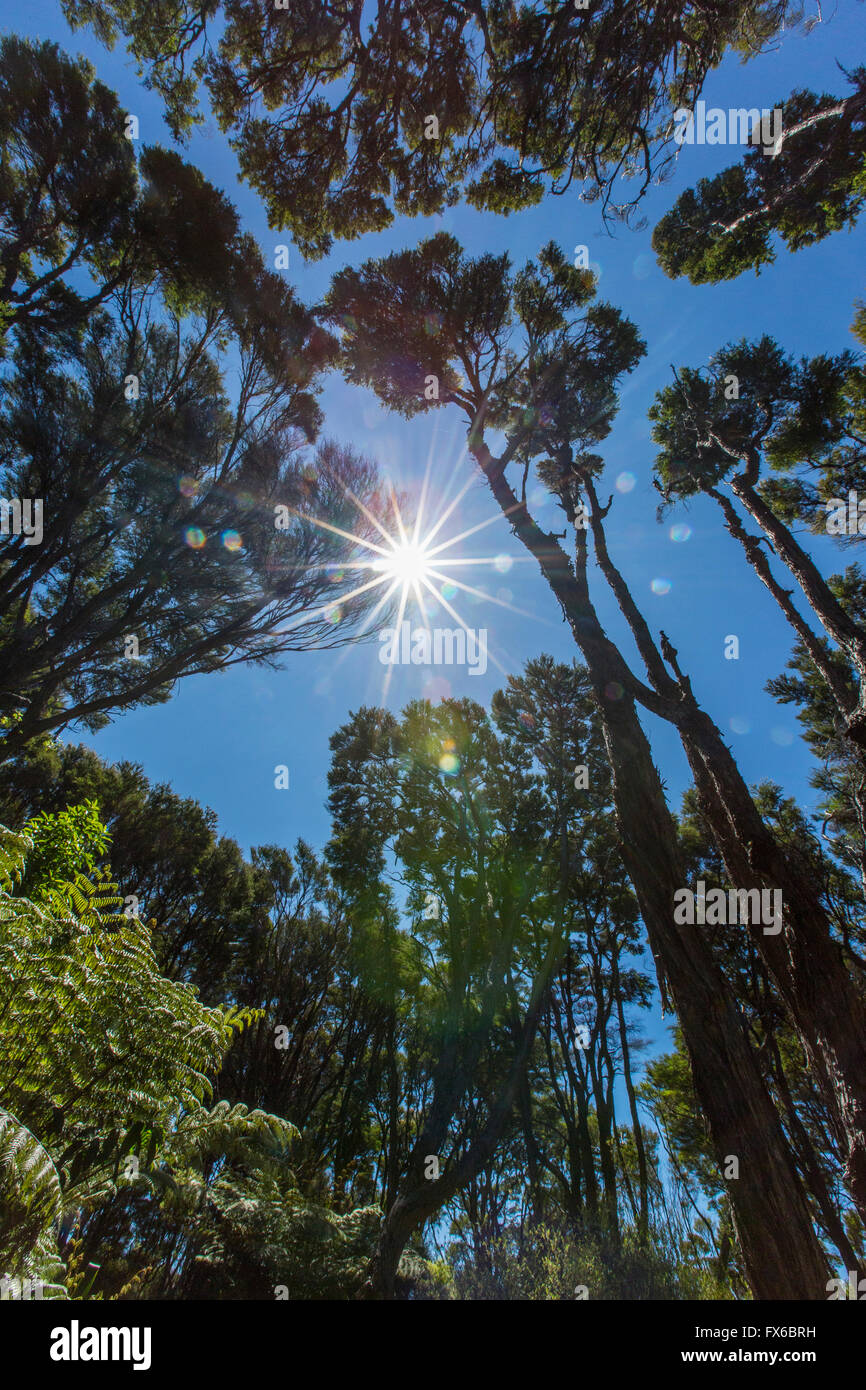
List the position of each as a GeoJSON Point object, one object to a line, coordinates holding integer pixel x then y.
{"type": "Point", "coordinates": [813, 184]}
{"type": "Point", "coordinates": [408, 1063]}
{"type": "Point", "coordinates": [329, 105]}
{"type": "Point", "coordinates": [104, 1062]}
{"type": "Point", "coordinates": [160, 437]}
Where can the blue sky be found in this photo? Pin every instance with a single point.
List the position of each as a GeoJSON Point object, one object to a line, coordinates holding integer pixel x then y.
{"type": "Point", "coordinates": [221, 736]}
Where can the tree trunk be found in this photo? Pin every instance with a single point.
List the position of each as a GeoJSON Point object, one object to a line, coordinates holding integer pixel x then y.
{"type": "Point", "coordinates": [421, 1197]}
{"type": "Point", "coordinates": [806, 963]}
{"type": "Point", "coordinates": [643, 1222]}
{"type": "Point", "coordinates": [782, 1255]}
{"type": "Point", "coordinates": [837, 623]}
{"type": "Point", "coordinates": [781, 1252]}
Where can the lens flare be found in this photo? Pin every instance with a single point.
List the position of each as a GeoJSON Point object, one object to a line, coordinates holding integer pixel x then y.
{"type": "Point", "coordinates": [405, 561]}
{"type": "Point", "coordinates": [408, 562]}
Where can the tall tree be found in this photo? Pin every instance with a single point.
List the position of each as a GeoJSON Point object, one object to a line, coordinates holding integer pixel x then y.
{"type": "Point", "coordinates": [786, 438]}
{"type": "Point", "coordinates": [163, 553]}
{"type": "Point", "coordinates": [156, 426]}
{"type": "Point", "coordinates": [817, 1140]}
{"type": "Point", "coordinates": [803, 954]}
{"type": "Point", "coordinates": [531, 367]}
{"type": "Point", "coordinates": [324, 1051]}
{"type": "Point", "coordinates": [435, 793]}
{"type": "Point", "coordinates": [510, 860]}
{"type": "Point", "coordinates": [549, 716]}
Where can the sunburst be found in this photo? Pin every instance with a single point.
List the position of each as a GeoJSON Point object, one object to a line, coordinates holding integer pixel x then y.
{"type": "Point", "coordinates": [408, 562]}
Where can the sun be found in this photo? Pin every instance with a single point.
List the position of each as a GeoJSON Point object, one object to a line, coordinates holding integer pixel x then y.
{"type": "Point", "coordinates": [411, 567]}
{"type": "Point", "coordinates": [408, 563]}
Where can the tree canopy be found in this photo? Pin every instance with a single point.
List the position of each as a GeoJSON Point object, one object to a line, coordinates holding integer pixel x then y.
{"type": "Point", "coordinates": [405, 1056]}
{"type": "Point", "coordinates": [159, 426]}
{"type": "Point", "coordinates": [813, 184]}
{"type": "Point", "coordinates": [330, 105]}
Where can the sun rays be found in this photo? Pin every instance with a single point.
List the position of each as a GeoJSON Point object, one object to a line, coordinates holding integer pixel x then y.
{"type": "Point", "coordinates": [407, 558]}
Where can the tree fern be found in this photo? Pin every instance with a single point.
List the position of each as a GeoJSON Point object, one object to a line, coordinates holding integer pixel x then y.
{"type": "Point", "coordinates": [101, 1056]}
{"type": "Point", "coordinates": [30, 1205]}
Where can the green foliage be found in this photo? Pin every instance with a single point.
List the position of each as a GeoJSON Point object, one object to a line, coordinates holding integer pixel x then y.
{"type": "Point", "coordinates": [63, 846]}
{"type": "Point", "coordinates": [259, 1238]}
{"type": "Point", "coordinates": [804, 417]}
{"type": "Point", "coordinates": [551, 1263]}
{"type": "Point", "coordinates": [815, 185]}
{"type": "Point", "coordinates": [121, 1127]}
{"type": "Point", "coordinates": [147, 1115]}
{"type": "Point", "coordinates": [154, 1044]}
{"type": "Point", "coordinates": [470, 837]}
{"type": "Point", "coordinates": [531, 352]}
{"type": "Point", "coordinates": [342, 987]}
{"type": "Point", "coordinates": [30, 1205]}
{"type": "Point", "coordinates": [327, 105]}
{"type": "Point", "coordinates": [520, 925]}
{"type": "Point", "coordinates": [101, 1057]}
{"type": "Point", "coordinates": [206, 906]}
{"type": "Point", "coordinates": [669, 1091]}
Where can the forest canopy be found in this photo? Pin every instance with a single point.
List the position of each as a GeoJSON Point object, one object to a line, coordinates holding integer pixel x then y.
{"type": "Point", "coordinates": [327, 972]}
{"type": "Point", "coordinates": [342, 117]}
